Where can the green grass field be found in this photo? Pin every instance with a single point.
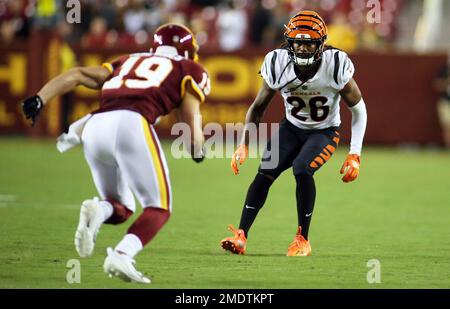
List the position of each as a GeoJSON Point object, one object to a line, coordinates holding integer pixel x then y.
{"type": "Point", "coordinates": [397, 212]}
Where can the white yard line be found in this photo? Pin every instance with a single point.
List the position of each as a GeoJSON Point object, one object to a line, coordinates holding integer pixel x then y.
{"type": "Point", "coordinates": [8, 198]}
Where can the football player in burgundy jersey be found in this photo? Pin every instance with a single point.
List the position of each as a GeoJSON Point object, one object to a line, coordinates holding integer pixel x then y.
{"type": "Point", "coordinates": [120, 144]}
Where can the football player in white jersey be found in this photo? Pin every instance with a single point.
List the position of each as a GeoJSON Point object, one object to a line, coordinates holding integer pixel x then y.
{"type": "Point", "coordinates": [312, 78]}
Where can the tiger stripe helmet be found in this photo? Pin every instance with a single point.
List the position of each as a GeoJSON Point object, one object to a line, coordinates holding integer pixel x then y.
{"type": "Point", "coordinates": [309, 27]}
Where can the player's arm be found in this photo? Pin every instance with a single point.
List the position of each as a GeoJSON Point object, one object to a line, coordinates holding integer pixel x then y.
{"type": "Point", "coordinates": [257, 109]}
{"type": "Point", "coordinates": [253, 117]}
{"type": "Point", "coordinates": [91, 77]}
{"type": "Point", "coordinates": [353, 98]}
{"type": "Point", "coordinates": [189, 113]}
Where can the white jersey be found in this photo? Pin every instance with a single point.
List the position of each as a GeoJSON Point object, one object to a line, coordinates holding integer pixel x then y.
{"type": "Point", "coordinates": [314, 104]}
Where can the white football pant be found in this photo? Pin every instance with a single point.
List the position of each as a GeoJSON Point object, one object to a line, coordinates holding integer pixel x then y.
{"type": "Point", "coordinates": [125, 157]}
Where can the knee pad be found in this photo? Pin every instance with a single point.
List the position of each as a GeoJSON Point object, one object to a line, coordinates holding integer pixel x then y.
{"type": "Point", "coordinates": [268, 174]}
{"type": "Point", "coordinates": [302, 168]}
{"type": "Point", "coordinates": [264, 179]}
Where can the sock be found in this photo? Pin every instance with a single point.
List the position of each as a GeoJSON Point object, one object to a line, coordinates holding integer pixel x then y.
{"type": "Point", "coordinates": [306, 196]}
{"type": "Point", "coordinates": [256, 197]}
{"type": "Point", "coordinates": [119, 214]}
{"type": "Point", "coordinates": [130, 245]}
{"type": "Point", "coordinates": [149, 223]}
{"type": "Point", "coordinates": [107, 209]}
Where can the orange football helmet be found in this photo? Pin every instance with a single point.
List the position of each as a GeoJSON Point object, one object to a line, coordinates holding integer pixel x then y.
{"type": "Point", "coordinates": [306, 27]}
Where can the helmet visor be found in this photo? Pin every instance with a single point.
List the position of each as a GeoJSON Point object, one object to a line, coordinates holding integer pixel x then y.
{"type": "Point", "coordinates": [304, 48]}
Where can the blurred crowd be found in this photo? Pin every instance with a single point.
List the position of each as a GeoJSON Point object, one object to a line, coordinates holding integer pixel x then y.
{"type": "Point", "coordinates": [228, 25]}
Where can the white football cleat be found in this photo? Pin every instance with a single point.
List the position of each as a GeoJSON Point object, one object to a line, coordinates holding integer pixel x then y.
{"type": "Point", "coordinates": [122, 266]}
{"type": "Point", "coordinates": [91, 218]}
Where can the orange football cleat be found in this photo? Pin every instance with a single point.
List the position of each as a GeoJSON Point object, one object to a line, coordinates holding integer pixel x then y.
{"type": "Point", "coordinates": [300, 246]}
{"type": "Point", "coordinates": [235, 244]}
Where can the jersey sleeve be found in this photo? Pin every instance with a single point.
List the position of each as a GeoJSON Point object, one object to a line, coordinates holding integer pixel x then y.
{"type": "Point", "coordinates": [267, 69]}
{"type": "Point", "coordinates": [272, 68]}
{"type": "Point", "coordinates": [343, 69]}
{"type": "Point", "coordinates": [195, 76]}
{"type": "Point", "coordinates": [111, 66]}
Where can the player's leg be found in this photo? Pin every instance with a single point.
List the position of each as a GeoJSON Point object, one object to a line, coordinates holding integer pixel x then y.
{"type": "Point", "coordinates": [317, 150]}
{"type": "Point", "coordinates": [283, 146]}
{"type": "Point", "coordinates": [117, 202]}
{"type": "Point", "coordinates": [444, 119]}
{"type": "Point", "coordinates": [116, 198]}
{"type": "Point", "coordinates": [141, 160]}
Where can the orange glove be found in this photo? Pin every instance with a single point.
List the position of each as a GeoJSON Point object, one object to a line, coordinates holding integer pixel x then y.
{"type": "Point", "coordinates": [240, 155]}
{"type": "Point", "coordinates": [351, 167]}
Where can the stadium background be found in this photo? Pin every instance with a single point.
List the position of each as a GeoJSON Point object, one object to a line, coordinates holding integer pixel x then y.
{"type": "Point", "coordinates": [396, 60]}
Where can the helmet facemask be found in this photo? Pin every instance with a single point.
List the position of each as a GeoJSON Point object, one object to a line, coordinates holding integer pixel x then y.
{"type": "Point", "coordinates": [305, 58]}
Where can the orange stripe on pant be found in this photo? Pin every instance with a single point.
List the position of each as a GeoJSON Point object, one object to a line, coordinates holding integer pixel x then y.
{"type": "Point", "coordinates": [319, 161]}
{"type": "Point", "coordinates": [325, 155]}
{"type": "Point", "coordinates": [159, 167]}
{"type": "Point", "coordinates": [336, 138]}
{"type": "Point", "coordinates": [331, 148]}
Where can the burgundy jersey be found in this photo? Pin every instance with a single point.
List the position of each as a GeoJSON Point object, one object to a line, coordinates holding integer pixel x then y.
{"type": "Point", "coordinates": [151, 84]}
